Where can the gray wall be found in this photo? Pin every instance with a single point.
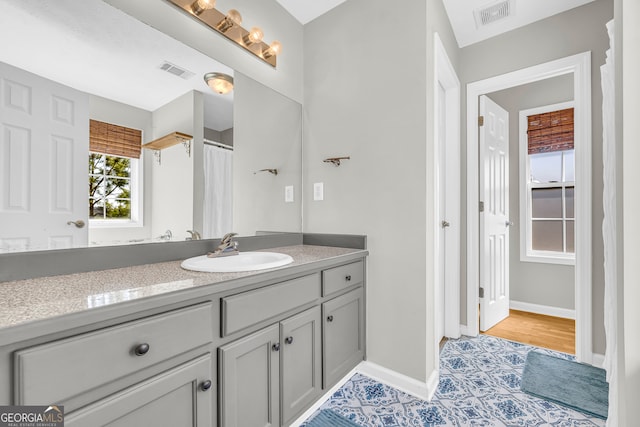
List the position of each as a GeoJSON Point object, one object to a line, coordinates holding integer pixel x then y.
{"type": "Point", "coordinates": [267, 135]}
{"type": "Point", "coordinates": [223, 137]}
{"type": "Point", "coordinates": [550, 285]}
{"type": "Point", "coordinates": [540, 42]}
{"type": "Point", "coordinates": [367, 90]}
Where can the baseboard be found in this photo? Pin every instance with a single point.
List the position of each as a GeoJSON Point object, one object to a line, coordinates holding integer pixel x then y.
{"type": "Point", "coordinates": [543, 309]}
{"type": "Point", "coordinates": [598, 360]}
{"type": "Point", "coordinates": [419, 389]}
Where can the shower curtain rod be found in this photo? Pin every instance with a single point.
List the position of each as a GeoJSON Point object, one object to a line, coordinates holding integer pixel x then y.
{"type": "Point", "coordinates": [218, 144]}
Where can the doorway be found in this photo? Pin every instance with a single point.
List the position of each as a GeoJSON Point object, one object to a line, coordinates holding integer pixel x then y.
{"type": "Point", "coordinates": [578, 65]}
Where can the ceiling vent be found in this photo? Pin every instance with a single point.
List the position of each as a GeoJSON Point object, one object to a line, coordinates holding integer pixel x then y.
{"type": "Point", "coordinates": [175, 70]}
{"type": "Point", "coordinates": [493, 12]}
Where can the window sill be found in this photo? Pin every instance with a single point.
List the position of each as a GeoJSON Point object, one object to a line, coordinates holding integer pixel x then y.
{"type": "Point", "coordinates": [549, 258]}
{"type": "Point", "coordinates": [116, 223]}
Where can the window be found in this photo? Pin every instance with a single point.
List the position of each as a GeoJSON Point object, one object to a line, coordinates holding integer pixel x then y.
{"type": "Point", "coordinates": [113, 175]}
{"type": "Point", "coordinates": [547, 164]}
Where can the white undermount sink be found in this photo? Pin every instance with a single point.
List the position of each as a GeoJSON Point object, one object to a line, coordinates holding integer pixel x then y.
{"type": "Point", "coordinates": [245, 261]}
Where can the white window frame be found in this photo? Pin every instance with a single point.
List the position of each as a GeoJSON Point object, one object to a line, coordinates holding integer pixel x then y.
{"type": "Point", "coordinates": [136, 220]}
{"type": "Point", "coordinates": [527, 254]}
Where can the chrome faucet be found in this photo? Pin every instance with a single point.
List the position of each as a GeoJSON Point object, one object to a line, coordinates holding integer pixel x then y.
{"type": "Point", "coordinates": [194, 235]}
{"type": "Point", "coordinates": [226, 247]}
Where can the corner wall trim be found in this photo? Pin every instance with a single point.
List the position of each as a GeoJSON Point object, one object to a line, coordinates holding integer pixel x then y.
{"type": "Point", "coordinates": [547, 310]}
{"type": "Point", "coordinates": [419, 389]}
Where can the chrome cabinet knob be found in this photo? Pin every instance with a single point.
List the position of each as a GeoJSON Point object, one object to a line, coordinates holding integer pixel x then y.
{"type": "Point", "coordinates": [330, 318]}
{"type": "Point", "coordinates": [445, 224]}
{"type": "Point", "coordinates": [288, 340]}
{"type": "Point", "coordinates": [276, 347]}
{"type": "Point", "coordinates": [206, 385]}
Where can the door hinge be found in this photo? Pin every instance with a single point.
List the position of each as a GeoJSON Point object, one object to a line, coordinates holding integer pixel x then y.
{"type": "Point", "coordinates": [481, 293]}
{"type": "Point", "coordinates": [481, 121]}
{"type": "Point", "coordinates": [481, 206]}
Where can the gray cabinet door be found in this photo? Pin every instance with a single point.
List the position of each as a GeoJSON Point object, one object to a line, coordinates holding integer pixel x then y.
{"type": "Point", "coordinates": [343, 336]}
{"type": "Point", "coordinates": [249, 380]}
{"type": "Point", "coordinates": [300, 362]}
{"type": "Point", "coordinates": [174, 398]}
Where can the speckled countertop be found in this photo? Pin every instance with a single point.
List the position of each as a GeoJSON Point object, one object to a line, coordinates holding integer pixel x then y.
{"type": "Point", "coordinates": [37, 299]}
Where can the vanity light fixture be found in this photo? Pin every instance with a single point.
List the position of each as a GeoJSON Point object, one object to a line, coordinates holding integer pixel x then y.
{"type": "Point", "coordinates": [219, 82]}
{"type": "Point", "coordinates": [229, 25]}
{"type": "Point", "coordinates": [336, 160]}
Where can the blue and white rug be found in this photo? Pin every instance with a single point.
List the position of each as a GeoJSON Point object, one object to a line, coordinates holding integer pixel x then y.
{"type": "Point", "coordinates": [479, 386]}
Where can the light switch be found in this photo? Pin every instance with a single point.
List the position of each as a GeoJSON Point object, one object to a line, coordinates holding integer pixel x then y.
{"type": "Point", "coordinates": [288, 194]}
{"type": "Point", "coordinates": [318, 191]}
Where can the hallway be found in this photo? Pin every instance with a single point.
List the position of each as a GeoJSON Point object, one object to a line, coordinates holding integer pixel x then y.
{"type": "Point", "coordinates": [554, 333]}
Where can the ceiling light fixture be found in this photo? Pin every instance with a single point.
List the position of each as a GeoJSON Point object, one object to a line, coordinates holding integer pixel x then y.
{"type": "Point", "coordinates": [229, 25]}
{"type": "Point", "coordinates": [219, 82]}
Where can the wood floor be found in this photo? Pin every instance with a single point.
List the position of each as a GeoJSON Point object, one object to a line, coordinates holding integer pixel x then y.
{"type": "Point", "coordinates": [554, 333]}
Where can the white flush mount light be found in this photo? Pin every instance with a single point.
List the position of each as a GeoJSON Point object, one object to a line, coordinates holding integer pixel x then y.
{"type": "Point", "coordinates": [219, 82]}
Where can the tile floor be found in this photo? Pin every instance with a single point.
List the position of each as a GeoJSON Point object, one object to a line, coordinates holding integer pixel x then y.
{"type": "Point", "coordinates": [479, 386]}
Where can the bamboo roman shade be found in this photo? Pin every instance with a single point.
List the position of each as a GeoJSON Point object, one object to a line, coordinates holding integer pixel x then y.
{"type": "Point", "coordinates": [114, 140]}
{"type": "Point", "coordinates": [550, 132]}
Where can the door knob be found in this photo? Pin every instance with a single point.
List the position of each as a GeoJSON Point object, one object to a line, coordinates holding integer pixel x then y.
{"type": "Point", "coordinates": [445, 224]}
{"type": "Point", "coordinates": [79, 223]}
{"type": "Point", "coordinates": [508, 223]}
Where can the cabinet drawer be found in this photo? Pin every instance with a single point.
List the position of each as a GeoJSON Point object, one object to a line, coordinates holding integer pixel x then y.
{"type": "Point", "coordinates": [55, 372]}
{"type": "Point", "coordinates": [338, 278]}
{"type": "Point", "coordinates": [248, 308]}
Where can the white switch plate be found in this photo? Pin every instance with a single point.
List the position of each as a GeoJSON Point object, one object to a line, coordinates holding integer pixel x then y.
{"type": "Point", "coordinates": [288, 194]}
{"type": "Point", "coordinates": [318, 191]}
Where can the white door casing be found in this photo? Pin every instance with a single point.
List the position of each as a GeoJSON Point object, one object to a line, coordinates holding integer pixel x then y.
{"type": "Point", "coordinates": [494, 217]}
{"type": "Point", "coordinates": [40, 194]}
{"type": "Point", "coordinates": [447, 166]}
{"type": "Point", "coordinates": [580, 66]}
{"type": "Point", "coordinates": [442, 211]}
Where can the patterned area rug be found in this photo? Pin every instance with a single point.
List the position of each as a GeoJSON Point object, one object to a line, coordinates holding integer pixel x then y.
{"type": "Point", "coordinates": [480, 382]}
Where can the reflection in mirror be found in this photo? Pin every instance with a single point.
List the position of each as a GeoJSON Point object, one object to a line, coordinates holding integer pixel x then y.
{"type": "Point", "coordinates": [72, 62]}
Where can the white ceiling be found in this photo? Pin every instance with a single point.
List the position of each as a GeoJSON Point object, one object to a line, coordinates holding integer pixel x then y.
{"type": "Point", "coordinates": [308, 10]}
{"type": "Point", "coordinates": [461, 16]}
{"type": "Point", "coordinates": [87, 45]}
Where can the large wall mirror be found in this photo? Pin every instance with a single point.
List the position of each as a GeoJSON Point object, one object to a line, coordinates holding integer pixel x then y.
{"type": "Point", "coordinates": [73, 63]}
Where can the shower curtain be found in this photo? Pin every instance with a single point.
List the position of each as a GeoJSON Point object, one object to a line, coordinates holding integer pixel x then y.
{"type": "Point", "coordinates": [610, 364]}
{"type": "Point", "coordinates": [218, 200]}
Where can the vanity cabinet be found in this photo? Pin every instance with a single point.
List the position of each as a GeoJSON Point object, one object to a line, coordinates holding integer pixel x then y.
{"type": "Point", "coordinates": [179, 397]}
{"type": "Point", "coordinates": [343, 335]}
{"type": "Point", "coordinates": [273, 375]}
{"type": "Point", "coordinates": [128, 369]}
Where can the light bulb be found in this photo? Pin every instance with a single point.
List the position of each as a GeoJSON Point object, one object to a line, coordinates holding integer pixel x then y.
{"type": "Point", "coordinates": [233, 18]}
{"type": "Point", "coordinates": [199, 6]}
{"type": "Point", "coordinates": [274, 49]}
{"type": "Point", "coordinates": [255, 36]}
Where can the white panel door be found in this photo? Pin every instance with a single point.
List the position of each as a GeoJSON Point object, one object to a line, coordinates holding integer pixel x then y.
{"type": "Point", "coordinates": [44, 148]}
{"type": "Point", "coordinates": [494, 220]}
